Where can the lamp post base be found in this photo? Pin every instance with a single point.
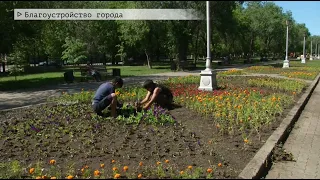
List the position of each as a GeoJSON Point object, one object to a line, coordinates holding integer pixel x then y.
{"type": "Point", "coordinates": [285, 64]}
{"type": "Point", "coordinates": [303, 60]}
{"type": "Point", "coordinates": [311, 58]}
{"type": "Point", "coordinates": [208, 81]}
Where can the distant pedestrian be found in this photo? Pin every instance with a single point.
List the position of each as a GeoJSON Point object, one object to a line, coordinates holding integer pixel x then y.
{"type": "Point", "coordinates": [94, 73]}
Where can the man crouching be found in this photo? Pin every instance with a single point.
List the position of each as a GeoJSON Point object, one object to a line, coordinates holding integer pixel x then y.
{"type": "Point", "coordinates": [105, 96]}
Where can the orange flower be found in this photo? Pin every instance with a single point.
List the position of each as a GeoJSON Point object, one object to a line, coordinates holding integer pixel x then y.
{"type": "Point", "coordinates": [116, 176]}
{"type": "Point", "coordinates": [113, 161]}
{"type": "Point", "coordinates": [82, 170]}
{"type": "Point", "coordinates": [96, 173]}
{"type": "Point", "coordinates": [44, 177]}
{"type": "Point", "coordinates": [69, 177]}
{"type": "Point", "coordinates": [52, 161]}
{"type": "Point", "coordinates": [86, 166]}
{"type": "Point", "coordinates": [114, 169]}
{"type": "Point", "coordinates": [246, 140]}
{"type": "Point", "coordinates": [209, 170]}
{"type": "Point", "coordinates": [102, 165]}
{"type": "Point", "coordinates": [53, 177]}
{"type": "Point", "coordinates": [38, 177]}
{"type": "Point", "coordinates": [189, 167]}
{"type": "Point", "coordinates": [140, 163]}
{"type": "Point", "coordinates": [166, 161]}
{"type": "Point", "coordinates": [31, 171]}
{"type": "Point", "coordinates": [219, 164]}
{"type": "Point", "coordinates": [181, 172]}
{"type": "Point", "coordinates": [158, 163]}
{"type": "Point", "coordinates": [218, 126]}
{"type": "Point", "coordinates": [139, 176]}
{"type": "Point", "coordinates": [125, 168]}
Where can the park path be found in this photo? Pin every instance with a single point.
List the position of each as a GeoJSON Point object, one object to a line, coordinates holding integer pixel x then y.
{"type": "Point", "coordinates": [19, 98]}
{"type": "Point", "coordinates": [304, 144]}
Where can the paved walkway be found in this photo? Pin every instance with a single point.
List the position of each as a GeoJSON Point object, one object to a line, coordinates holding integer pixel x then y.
{"type": "Point", "coordinates": [12, 99]}
{"type": "Point", "coordinates": [304, 144]}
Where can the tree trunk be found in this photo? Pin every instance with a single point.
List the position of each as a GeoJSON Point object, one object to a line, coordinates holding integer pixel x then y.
{"type": "Point", "coordinates": [148, 60]}
{"type": "Point", "coordinates": [196, 47]}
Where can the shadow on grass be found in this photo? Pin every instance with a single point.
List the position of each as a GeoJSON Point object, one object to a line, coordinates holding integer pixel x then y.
{"type": "Point", "coordinates": [35, 83]}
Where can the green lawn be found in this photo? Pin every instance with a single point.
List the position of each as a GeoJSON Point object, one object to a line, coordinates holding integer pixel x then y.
{"type": "Point", "coordinates": [52, 78]}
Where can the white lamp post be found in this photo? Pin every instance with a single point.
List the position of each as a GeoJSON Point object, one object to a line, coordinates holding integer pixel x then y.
{"type": "Point", "coordinates": [311, 58]}
{"type": "Point", "coordinates": [208, 81]}
{"type": "Point", "coordinates": [315, 52]}
{"type": "Point", "coordinates": [318, 52]}
{"type": "Point", "coordinates": [303, 59]}
{"type": "Point", "coordinates": [286, 61]}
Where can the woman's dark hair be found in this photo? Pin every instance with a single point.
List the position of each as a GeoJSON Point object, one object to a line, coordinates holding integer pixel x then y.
{"type": "Point", "coordinates": [148, 84]}
{"type": "Point", "coordinates": [118, 80]}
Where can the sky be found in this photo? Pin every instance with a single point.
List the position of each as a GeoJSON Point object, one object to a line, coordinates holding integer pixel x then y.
{"type": "Point", "coordinates": [307, 12]}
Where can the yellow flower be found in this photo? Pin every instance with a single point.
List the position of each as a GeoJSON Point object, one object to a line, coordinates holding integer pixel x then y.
{"type": "Point", "coordinates": [69, 177]}
{"type": "Point", "coordinates": [114, 169]}
{"type": "Point", "coordinates": [113, 161]}
{"type": "Point", "coordinates": [140, 163]}
{"type": "Point", "coordinates": [116, 176]}
{"type": "Point", "coordinates": [53, 177]}
{"type": "Point", "coordinates": [102, 165]}
{"type": "Point", "coordinates": [31, 171]}
{"type": "Point", "coordinates": [181, 172]}
{"type": "Point", "coordinates": [139, 176]}
{"type": "Point", "coordinates": [125, 168]}
{"type": "Point", "coordinates": [166, 161]}
{"type": "Point", "coordinates": [96, 173]}
{"type": "Point", "coordinates": [158, 163]}
{"type": "Point", "coordinates": [38, 177]}
{"type": "Point", "coordinates": [189, 167]}
{"type": "Point", "coordinates": [52, 161]}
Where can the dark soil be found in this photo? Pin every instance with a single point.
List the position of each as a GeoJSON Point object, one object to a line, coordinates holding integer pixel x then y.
{"type": "Point", "coordinates": [81, 140]}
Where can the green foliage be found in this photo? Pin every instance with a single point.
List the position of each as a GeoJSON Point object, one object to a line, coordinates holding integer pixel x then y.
{"type": "Point", "coordinates": [10, 170]}
{"type": "Point", "coordinates": [74, 51]}
{"type": "Point", "coordinates": [237, 28]}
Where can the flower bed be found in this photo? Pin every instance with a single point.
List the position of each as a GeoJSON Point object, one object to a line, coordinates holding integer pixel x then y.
{"type": "Point", "coordinates": [308, 73]}
{"type": "Point", "coordinates": [214, 134]}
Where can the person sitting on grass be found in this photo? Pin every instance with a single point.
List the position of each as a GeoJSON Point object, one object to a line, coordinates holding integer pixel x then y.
{"type": "Point", "coordinates": [158, 94]}
{"type": "Point", "coordinates": [94, 73]}
{"type": "Point", "coordinates": [105, 96]}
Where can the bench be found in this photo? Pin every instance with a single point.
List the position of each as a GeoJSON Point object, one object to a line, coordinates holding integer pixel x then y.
{"type": "Point", "coordinates": [85, 75]}
{"type": "Point", "coordinates": [219, 62]}
{"type": "Point", "coordinates": [188, 65]}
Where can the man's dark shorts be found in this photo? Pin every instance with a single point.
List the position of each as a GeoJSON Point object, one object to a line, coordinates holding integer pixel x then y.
{"type": "Point", "coordinates": [164, 101]}
{"type": "Point", "coordinates": [98, 107]}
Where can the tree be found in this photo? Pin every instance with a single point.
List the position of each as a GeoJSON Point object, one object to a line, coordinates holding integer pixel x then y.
{"type": "Point", "coordinates": [75, 51]}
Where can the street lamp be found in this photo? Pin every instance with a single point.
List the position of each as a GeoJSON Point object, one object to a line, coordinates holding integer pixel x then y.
{"type": "Point", "coordinates": [303, 59]}
{"type": "Point", "coordinates": [318, 53]}
{"type": "Point", "coordinates": [208, 81]}
{"type": "Point", "coordinates": [286, 61]}
{"type": "Point", "coordinates": [311, 58]}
